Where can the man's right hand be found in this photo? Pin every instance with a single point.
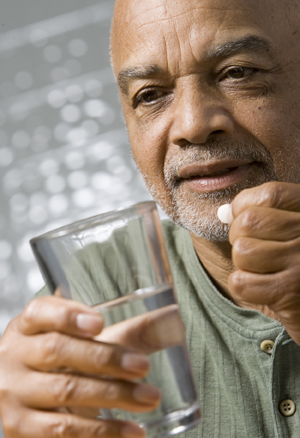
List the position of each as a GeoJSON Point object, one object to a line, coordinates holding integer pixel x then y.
{"type": "Point", "coordinates": [50, 361]}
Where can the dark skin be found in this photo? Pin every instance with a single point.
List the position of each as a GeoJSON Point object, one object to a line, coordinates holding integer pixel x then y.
{"type": "Point", "coordinates": [186, 102]}
{"type": "Point", "coordinates": [265, 250]}
{"type": "Point", "coordinates": [258, 268]}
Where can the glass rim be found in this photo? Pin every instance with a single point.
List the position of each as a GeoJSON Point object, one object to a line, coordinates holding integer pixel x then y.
{"type": "Point", "coordinates": [91, 221]}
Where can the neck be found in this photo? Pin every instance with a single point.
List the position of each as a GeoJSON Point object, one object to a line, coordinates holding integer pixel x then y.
{"type": "Point", "coordinates": [217, 261]}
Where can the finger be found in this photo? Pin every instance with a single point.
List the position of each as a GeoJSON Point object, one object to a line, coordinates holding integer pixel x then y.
{"type": "Point", "coordinates": [278, 291]}
{"type": "Point", "coordinates": [53, 313]}
{"type": "Point", "coordinates": [282, 196]}
{"type": "Point", "coordinates": [252, 287]}
{"type": "Point", "coordinates": [266, 224]}
{"type": "Point", "coordinates": [52, 351]}
{"type": "Point", "coordinates": [27, 423]}
{"type": "Point", "coordinates": [150, 332]}
{"type": "Point", "coordinates": [262, 256]}
{"type": "Point", "coordinates": [51, 390]}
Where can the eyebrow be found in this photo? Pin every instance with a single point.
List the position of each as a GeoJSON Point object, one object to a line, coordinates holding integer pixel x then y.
{"type": "Point", "coordinates": [128, 74]}
{"type": "Point", "coordinates": [248, 43]}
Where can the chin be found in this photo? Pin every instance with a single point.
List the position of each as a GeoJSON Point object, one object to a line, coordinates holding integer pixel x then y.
{"type": "Point", "coordinates": [210, 232]}
{"type": "Point", "coordinates": [199, 216]}
{"type": "Point", "coordinates": [197, 213]}
{"type": "Point", "coordinates": [201, 224]}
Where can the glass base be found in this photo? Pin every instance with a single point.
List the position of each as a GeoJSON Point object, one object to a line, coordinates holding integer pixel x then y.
{"type": "Point", "coordinates": [176, 422]}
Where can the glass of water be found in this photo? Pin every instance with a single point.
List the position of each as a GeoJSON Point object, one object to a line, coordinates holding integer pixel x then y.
{"type": "Point", "coordinates": [117, 263]}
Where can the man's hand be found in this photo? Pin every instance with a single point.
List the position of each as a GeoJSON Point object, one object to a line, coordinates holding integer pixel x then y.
{"type": "Point", "coordinates": [50, 364]}
{"type": "Point", "coordinates": [265, 239]}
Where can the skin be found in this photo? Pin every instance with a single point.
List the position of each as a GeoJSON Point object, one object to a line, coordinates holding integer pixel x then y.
{"type": "Point", "coordinates": [195, 99]}
{"type": "Point", "coordinates": [257, 268]}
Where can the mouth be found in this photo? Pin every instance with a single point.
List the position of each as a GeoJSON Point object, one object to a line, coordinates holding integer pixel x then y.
{"type": "Point", "coordinates": [215, 176]}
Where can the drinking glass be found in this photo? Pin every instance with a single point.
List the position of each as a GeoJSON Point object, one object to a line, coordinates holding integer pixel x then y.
{"type": "Point", "coordinates": [117, 263]}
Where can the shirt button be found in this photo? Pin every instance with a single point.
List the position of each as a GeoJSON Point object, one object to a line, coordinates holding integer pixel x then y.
{"type": "Point", "coordinates": [287, 408]}
{"type": "Point", "coordinates": [267, 346]}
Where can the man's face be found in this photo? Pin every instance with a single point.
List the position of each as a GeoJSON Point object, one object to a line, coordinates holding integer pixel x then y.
{"type": "Point", "coordinates": [211, 95]}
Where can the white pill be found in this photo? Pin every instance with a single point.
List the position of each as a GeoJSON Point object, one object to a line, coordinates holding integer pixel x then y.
{"type": "Point", "coordinates": [225, 214]}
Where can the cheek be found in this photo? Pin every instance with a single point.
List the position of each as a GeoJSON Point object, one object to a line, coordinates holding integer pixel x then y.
{"type": "Point", "coordinates": [271, 123]}
{"type": "Point", "coordinates": [260, 118]}
{"type": "Point", "coordinates": [149, 145]}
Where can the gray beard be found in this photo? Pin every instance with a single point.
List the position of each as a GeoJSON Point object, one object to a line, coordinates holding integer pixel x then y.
{"type": "Point", "coordinates": [197, 212]}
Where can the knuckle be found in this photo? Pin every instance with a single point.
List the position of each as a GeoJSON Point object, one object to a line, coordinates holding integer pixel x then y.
{"type": "Point", "coordinates": [51, 348]}
{"type": "Point", "coordinates": [249, 220]}
{"type": "Point", "coordinates": [241, 247]}
{"type": "Point", "coordinates": [67, 427]}
{"type": "Point", "coordinates": [111, 391]}
{"type": "Point", "coordinates": [102, 430]}
{"type": "Point", "coordinates": [272, 193]}
{"type": "Point", "coordinates": [29, 313]}
{"type": "Point", "coordinates": [64, 427]}
{"type": "Point", "coordinates": [237, 281]}
{"type": "Point", "coordinates": [102, 355]}
{"type": "Point", "coordinates": [64, 388]}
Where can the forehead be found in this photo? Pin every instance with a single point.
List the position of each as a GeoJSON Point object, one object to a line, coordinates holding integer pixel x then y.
{"type": "Point", "coordinates": [162, 31]}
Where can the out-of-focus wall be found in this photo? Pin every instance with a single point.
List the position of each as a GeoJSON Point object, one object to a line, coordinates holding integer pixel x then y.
{"type": "Point", "coordinates": [64, 153]}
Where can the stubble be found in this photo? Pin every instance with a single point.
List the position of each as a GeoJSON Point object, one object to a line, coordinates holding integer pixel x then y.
{"type": "Point", "coordinates": [197, 212]}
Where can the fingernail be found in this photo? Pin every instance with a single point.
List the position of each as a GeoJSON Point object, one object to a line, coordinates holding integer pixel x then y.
{"type": "Point", "coordinates": [135, 362]}
{"type": "Point", "coordinates": [146, 393]}
{"type": "Point", "coordinates": [132, 431]}
{"type": "Point", "coordinates": [88, 323]}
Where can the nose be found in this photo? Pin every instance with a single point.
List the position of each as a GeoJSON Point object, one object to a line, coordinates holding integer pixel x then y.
{"type": "Point", "coordinates": [198, 116]}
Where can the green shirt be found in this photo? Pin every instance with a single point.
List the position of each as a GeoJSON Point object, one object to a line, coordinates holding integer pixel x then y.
{"type": "Point", "coordinates": [240, 386]}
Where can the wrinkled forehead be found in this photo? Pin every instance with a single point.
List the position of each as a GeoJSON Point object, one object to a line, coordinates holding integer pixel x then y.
{"type": "Point", "coordinates": [145, 30]}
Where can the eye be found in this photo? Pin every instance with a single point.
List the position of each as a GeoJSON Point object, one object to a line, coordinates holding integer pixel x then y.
{"type": "Point", "coordinates": [238, 72]}
{"type": "Point", "coordinates": [148, 97]}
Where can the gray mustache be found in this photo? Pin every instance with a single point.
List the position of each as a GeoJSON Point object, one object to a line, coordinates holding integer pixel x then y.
{"type": "Point", "coordinates": [216, 150]}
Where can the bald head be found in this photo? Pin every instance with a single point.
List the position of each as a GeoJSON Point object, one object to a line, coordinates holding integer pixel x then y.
{"type": "Point", "coordinates": [130, 15]}
{"type": "Point", "coordinates": [127, 15]}
{"type": "Point", "coordinates": [206, 84]}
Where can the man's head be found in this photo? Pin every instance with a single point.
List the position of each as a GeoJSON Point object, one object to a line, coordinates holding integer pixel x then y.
{"type": "Point", "coordinates": [210, 90]}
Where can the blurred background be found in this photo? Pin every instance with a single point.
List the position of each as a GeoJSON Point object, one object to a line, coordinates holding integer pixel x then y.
{"type": "Point", "coordinates": [64, 153]}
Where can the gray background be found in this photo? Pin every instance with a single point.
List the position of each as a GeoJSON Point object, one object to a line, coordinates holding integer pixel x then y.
{"type": "Point", "coordinates": [64, 153]}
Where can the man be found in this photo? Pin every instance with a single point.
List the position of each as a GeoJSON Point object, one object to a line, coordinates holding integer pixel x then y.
{"type": "Point", "coordinates": [211, 94]}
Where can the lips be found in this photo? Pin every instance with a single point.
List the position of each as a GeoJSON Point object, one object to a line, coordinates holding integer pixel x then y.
{"type": "Point", "coordinates": [210, 169]}
{"type": "Point", "coordinates": [214, 176]}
